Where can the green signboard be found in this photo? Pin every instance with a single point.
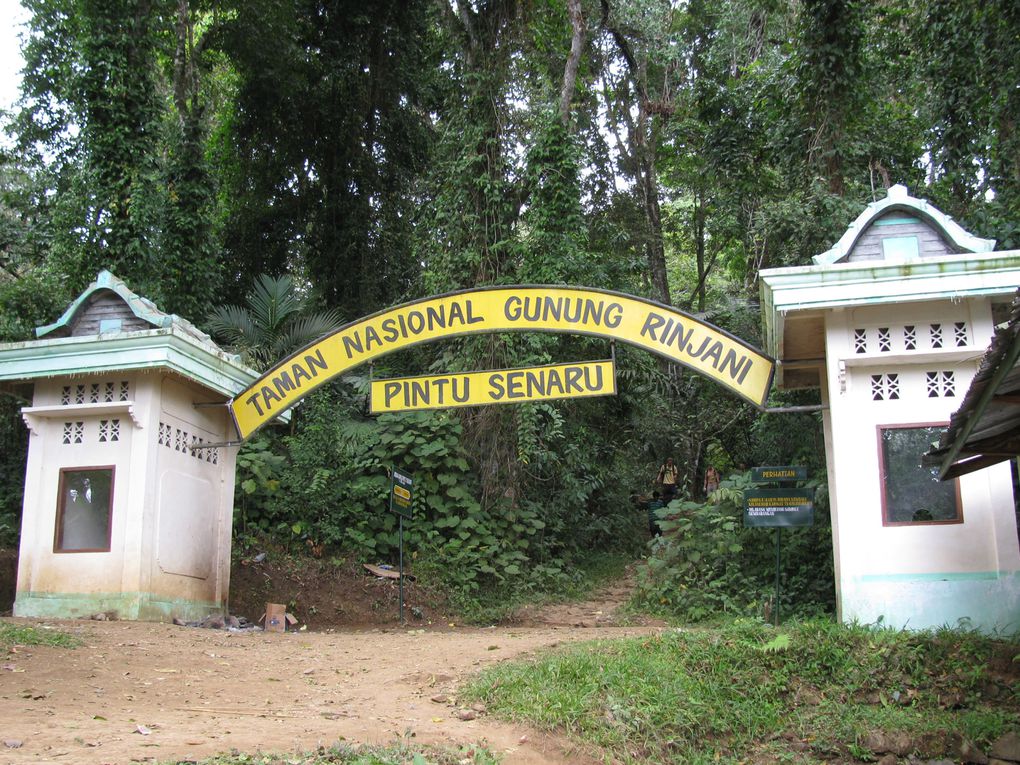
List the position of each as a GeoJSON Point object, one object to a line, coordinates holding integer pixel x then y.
{"type": "Point", "coordinates": [401, 493]}
{"type": "Point", "coordinates": [779, 473]}
{"type": "Point", "coordinates": [779, 507]}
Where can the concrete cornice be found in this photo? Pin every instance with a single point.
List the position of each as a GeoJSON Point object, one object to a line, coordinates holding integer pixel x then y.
{"type": "Point", "coordinates": [169, 348]}
{"type": "Point", "coordinates": [812, 287]}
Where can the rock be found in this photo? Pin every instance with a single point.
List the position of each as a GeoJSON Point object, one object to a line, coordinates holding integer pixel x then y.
{"type": "Point", "coordinates": [13, 743]}
{"type": "Point", "coordinates": [440, 698]}
{"type": "Point", "coordinates": [1006, 747]}
{"type": "Point", "coordinates": [808, 696]}
{"type": "Point", "coordinates": [970, 754]}
{"type": "Point", "coordinates": [888, 759]}
{"type": "Point", "coordinates": [953, 700]}
{"type": "Point", "coordinates": [466, 714]}
{"type": "Point", "coordinates": [212, 622]}
{"type": "Point", "coordinates": [881, 742]}
{"type": "Point", "coordinates": [479, 707]}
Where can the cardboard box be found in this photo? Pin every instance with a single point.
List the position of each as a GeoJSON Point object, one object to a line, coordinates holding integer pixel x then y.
{"type": "Point", "coordinates": [276, 618]}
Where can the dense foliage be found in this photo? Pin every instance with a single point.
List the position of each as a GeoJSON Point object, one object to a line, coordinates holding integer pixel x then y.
{"type": "Point", "coordinates": [708, 565]}
{"type": "Point", "coordinates": [365, 153]}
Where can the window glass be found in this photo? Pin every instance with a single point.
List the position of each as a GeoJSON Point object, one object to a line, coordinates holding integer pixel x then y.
{"type": "Point", "coordinates": [83, 510]}
{"type": "Point", "coordinates": [900, 247]}
{"type": "Point", "coordinates": [912, 492]}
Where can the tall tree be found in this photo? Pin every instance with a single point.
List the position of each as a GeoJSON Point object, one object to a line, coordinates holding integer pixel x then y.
{"type": "Point", "coordinates": [322, 146]}
{"type": "Point", "coordinates": [638, 99]}
{"type": "Point", "coordinates": [188, 239]}
{"type": "Point", "coordinates": [828, 73]}
{"type": "Point", "coordinates": [971, 70]}
{"type": "Point", "coordinates": [130, 193]}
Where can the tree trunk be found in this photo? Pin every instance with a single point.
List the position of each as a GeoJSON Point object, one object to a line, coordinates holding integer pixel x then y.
{"type": "Point", "coordinates": [573, 60]}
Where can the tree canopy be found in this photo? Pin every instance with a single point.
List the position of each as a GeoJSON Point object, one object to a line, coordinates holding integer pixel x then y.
{"type": "Point", "coordinates": [378, 151]}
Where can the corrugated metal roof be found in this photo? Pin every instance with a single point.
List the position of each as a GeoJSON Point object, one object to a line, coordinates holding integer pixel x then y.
{"type": "Point", "coordinates": [985, 430]}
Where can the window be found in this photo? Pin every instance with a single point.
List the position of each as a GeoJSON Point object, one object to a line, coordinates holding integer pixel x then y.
{"type": "Point", "coordinates": [860, 341]}
{"type": "Point", "coordinates": [960, 334]}
{"type": "Point", "coordinates": [909, 338]}
{"type": "Point", "coordinates": [941, 383]}
{"type": "Point", "coordinates": [911, 492]}
{"type": "Point", "coordinates": [900, 247]}
{"type": "Point", "coordinates": [109, 430]}
{"type": "Point", "coordinates": [885, 387]}
{"type": "Point", "coordinates": [84, 503]}
{"type": "Point", "coordinates": [884, 340]}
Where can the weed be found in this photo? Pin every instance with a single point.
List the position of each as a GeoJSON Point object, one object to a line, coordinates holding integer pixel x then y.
{"type": "Point", "coordinates": [722, 695]}
{"type": "Point", "coordinates": [398, 753]}
{"type": "Point", "coordinates": [17, 634]}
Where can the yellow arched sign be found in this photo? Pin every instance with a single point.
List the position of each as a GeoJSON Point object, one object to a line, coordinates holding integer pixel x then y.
{"type": "Point", "coordinates": [657, 328]}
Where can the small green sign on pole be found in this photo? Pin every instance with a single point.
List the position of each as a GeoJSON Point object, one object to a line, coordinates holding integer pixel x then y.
{"type": "Point", "coordinates": [401, 496]}
{"type": "Point", "coordinates": [778, 473]}
{"type": "Point", "coordinates": [779, 508]}
{"type": "Point", "coordinates": [401, 487]}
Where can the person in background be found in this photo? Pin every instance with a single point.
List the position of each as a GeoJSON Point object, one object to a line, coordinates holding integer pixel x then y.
{"type": "Point", "coordinates": [655, 503]}
{"type": "Point", "coordinates": [667, 477]}
{"type": "Point", "coordinates": [711, 480]}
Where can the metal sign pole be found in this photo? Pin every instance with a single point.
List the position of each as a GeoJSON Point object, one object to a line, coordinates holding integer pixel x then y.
{"type": "Point", "coordinates": [401, 503]}
{"type": "Point", "coordinates": [401, 586]}
{"type": "Point", "coordinates": [779, 536]}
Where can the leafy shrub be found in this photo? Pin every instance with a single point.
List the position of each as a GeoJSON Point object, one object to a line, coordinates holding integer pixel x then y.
{"type": "Point", "coordinates": [706, 564]}
{"type": "Point", "coordinates": [326, 486]}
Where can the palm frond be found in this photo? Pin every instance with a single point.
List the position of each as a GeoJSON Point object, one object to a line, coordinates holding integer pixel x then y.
{"type": "Point", "coordinates": [272, 300]}
{"type": "Point", "coordinates": [304, 329]}
{"type": "Point", "coordinates": [235, 325]}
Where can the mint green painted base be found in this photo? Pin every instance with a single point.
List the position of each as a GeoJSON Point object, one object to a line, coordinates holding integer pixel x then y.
{"type": "Point", "coordinates": [131, 606]}
{"type": "Point", "coordinates": [985, 601]}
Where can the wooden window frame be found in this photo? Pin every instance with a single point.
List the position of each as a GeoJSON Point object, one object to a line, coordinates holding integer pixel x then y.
{"type": "Point", "coordinates": [62, 493]}
{"type": "Point", "coordinates": [883, 483]}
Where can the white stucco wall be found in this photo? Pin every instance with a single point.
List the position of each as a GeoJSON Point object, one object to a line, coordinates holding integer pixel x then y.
{"type": "Point", "coordinates": [47, 578]}
{"type": "Point", "coordinates": [916, 575]}
{"type": "Point", "coordinates": [170, 522]}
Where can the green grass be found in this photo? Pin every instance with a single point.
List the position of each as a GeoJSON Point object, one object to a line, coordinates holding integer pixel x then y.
{"type": "Point", "coordinates": [17, 634]}
{"type": "Point", "coordinates": [586, 576]}
{"type": "Point", "coordinates": [726, 695]}
{"type": "Point", "coordinates": [398, 753]}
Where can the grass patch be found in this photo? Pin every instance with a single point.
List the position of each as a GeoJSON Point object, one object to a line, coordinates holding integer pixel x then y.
{"type": "Point", "coordinates": [810, 691]}
{"type": "Point", "coordinates": [399, 753]}
{"type": "Point", "coordinates": [18, 634]}
{"type": "Point", "coordinates": [584, 578]}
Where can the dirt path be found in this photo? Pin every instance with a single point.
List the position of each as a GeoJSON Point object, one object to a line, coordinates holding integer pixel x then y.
{"type": "Point", "coordinates": [140, 692]}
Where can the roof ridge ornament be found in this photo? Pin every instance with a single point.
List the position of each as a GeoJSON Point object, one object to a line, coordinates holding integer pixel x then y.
{"type": "Point", "coordinates": [142, 307]}
{"type": "Point", "coordinates": [897, 197]}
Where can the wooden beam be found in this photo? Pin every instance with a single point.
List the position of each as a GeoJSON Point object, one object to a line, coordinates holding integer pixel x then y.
{"type": "Point", "coordinates": [969, 466]}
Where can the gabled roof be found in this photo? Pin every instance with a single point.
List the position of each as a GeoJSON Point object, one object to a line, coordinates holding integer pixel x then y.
{"type": "Point", "coordinates": [985, 430]}
{"type": "Point", "coordinates": [143, 308]}
{"type": "Point", "coordinates": [897, 198]}
{"type": "Point", "coordinates": [156, 340]}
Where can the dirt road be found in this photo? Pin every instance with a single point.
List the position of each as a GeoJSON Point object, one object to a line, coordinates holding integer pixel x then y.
{"type": "Point", "coordinates": [140, 692]}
